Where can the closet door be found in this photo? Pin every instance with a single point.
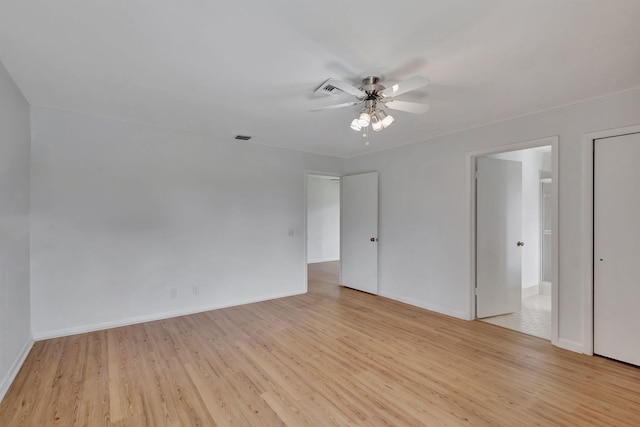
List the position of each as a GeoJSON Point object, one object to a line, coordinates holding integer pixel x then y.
{"type": "Point", "coordinates": [616, 292]}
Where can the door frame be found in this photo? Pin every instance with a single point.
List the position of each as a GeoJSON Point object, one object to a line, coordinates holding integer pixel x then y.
{"type": "Point", "coordinates": [588, 145]}
{"type": "Point", "coordinates": [541, 237]}
{"type": "Point", "coordinates": [471, 191]}
{"type": "Point", "coordinates": [305, 236]}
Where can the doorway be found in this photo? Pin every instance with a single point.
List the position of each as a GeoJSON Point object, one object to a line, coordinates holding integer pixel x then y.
{"type": "Point", "coordinates": [322, 219]}
{"type": "Point", "coordinates": [524, 300]}
{"type": "Point", "coordinates": [341, 227]}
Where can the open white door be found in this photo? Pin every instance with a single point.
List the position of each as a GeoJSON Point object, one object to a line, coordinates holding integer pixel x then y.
{"type": "Point", "coordinates": [616, 286]}
{"type": "Point", "coordinates": [498, 232]}
{"type": "Point", "coordinates": [359, 232]}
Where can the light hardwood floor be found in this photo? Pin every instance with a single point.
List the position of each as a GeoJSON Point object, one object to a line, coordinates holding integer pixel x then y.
{"type": "Point", "coordinates": [331, 357]}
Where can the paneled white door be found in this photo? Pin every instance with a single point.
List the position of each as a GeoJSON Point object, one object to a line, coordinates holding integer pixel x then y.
{"type": "Point", "coordinates": [498, 233]}
{"type": "Point", "coordinates": [359, 232]}
{"type": "Point", "coordinates": [616, 286]}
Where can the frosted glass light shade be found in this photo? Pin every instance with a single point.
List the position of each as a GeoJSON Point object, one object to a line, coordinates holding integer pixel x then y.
{"type": "Point", "coordinates": [355, 125]}
{"type": "Point", "coordinates": [376, 123]}
{"type": "Point", "coordinates": [385, 118]}
{"type": "Point", "coordinates": [364, 119]}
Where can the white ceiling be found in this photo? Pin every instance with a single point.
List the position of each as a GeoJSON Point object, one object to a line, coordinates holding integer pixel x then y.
{"type": "Point", "coordinates": [223, 68]}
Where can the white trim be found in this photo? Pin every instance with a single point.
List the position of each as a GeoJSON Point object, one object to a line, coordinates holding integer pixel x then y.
{"type": "Point", "coordinates": [471, 191]}
{"type": "Point", "coordinates": [15, 368]}
{"type": "Point", "coordinates": [587, 228]}
{"type": "Point", "coordinates": [441, 310]}
{"type": "Point", "coordinates": [570, 345]}
{"type": "Point", "coordinates": [541, 229]}
{"type": "Point", "coordinates": [308, 172]}
{"type": "Point", "coordinates": [555, 242]}
{"type": "Point", "coordinates": [142, 319]}
{"type": "Point", "coordinates": [530, 291]}
{"type": "Point", "coordinates": [315, 261]}
{"type": "Point", "coordinates": [544, 288]}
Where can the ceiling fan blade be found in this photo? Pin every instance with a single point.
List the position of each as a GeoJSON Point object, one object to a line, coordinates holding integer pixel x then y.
{"type": "Point", "coordinates": [331, 107]}
{"type": "Point", "coordinates": [409, 107]}
{"type": "Point", "coordinates": [346, 87]}
{"type": "Point", "coordinates": [405, 86]}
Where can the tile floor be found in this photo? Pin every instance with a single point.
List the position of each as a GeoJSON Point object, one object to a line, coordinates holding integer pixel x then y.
{"type": "Point", "coordinates": [534, 319]}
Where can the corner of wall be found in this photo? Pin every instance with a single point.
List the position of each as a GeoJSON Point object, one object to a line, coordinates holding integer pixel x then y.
{"type": "Point", "coordinates": [6, 382]}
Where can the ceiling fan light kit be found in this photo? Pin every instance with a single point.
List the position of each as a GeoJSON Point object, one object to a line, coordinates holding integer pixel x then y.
{"type": "Point", "coordinates": [374, 95]}
{"type": "Point", "coordinates": [364, 119]}
{"type": "Point", "coordinates": [385, 118]}
{"type": "Point", "coordinates": [376, 123]}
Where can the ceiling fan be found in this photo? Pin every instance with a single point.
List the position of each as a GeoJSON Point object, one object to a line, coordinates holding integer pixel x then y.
{"type": "Point", "coordinates": [374, 96]}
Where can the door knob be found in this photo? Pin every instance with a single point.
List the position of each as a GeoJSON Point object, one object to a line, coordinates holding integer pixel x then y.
{"type": "Point", "coordinates": [374, 239]}
{"type": "Point", "coordinates": [520, 243]}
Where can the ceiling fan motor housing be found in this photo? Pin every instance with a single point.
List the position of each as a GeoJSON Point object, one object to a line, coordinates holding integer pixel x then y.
{"type": "Point", "coordinates": [371, 86]}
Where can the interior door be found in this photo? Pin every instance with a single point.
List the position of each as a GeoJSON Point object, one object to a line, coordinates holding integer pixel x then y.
{"type": "Point", "coordinates": [359, 232]}
{"type": "Point", "coordinates": [616, 286]}
{"type": "Point", "coordinates": [498, 233]}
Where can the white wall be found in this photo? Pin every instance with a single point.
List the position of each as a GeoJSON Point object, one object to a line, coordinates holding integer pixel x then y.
{"type": "Point", "coordinates": [425, 214]}
{"type": "Point", "coordinates": [323, 219]}
{"type": "Point", "coordinates": [15, 326]}
{"type": "Point", "coordinates": [123, 213]}
{"type": "Point", "coordinates": [532, 160]}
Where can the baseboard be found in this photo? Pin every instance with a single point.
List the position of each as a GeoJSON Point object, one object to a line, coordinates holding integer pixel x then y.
{"type": "Point", "coordinates": [315, 261]}
{"type": "Point", "coordinates": [570, 345]}
{"type": "Point", "coordinates": [545, 288]}
{"type": "Point", "coordinates": [530, 291]}
{"type": "Point", "coordinates": [15, 368]}
{"type": "Point", "coordinates": [150, 318]}
{"type": "Point", "coordinates": [430, 307]}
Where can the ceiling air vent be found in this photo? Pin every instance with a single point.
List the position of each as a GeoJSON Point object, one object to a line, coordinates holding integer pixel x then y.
{"type": "Point", "coordinates": [326, 89]}
{"type": "Point", "coordinates": [243, 137]}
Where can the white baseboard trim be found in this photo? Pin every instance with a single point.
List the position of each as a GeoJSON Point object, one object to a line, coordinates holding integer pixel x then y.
{"type": "Point", "coordinates": [430, 307]}
{"type": "Point", "coordinates": [530, 291]}
{"type": "Point", "coordinates": [570, 345]}
{"type": "Point", "coordinates": [15, 368]}
{"type": "Point", "coordinates": [315, 261]}
{"type": "Point", "coordinates": [545, 288]}
{"type": "Point", "coordinates": [150, 318]}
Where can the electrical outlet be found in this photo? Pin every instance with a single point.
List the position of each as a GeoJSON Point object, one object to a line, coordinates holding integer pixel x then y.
{"type": "Point", "coordinates": [173, 293]}
{"type": "Point", "coordinates": [196, 290]}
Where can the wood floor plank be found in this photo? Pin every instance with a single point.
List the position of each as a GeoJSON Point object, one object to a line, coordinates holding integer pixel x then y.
{"type": "Point", "coordinates": [333, 356]}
